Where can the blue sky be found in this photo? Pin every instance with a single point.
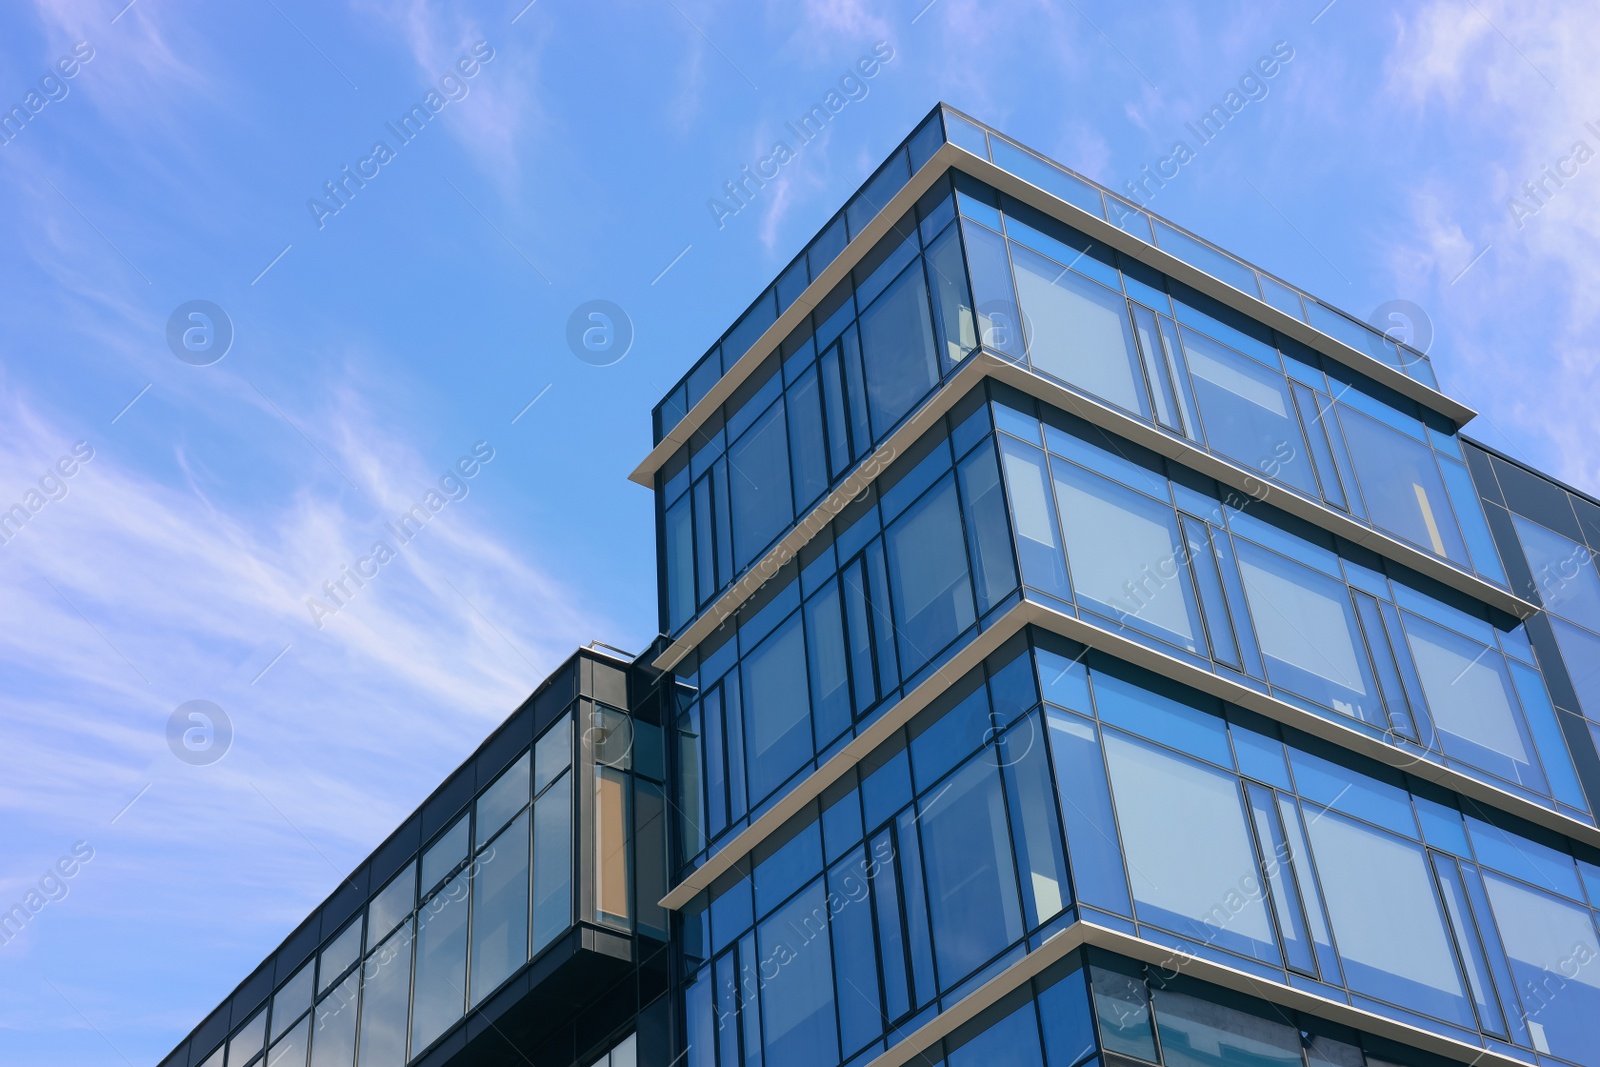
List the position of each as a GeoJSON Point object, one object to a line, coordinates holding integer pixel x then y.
{"type": "Point", "coordinates": [377, 346]}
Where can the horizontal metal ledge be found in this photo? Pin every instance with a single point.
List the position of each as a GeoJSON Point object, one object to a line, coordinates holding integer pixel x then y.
{"type": "Point", "coordinates": [1180, 450]}
{"type": "Point", "coordinates": [810, 297]}
{"type": "Point", "coordinates": [1080, 934]}
{"type": "Point", "coordinates": [1030, 613]}
{"type": "Point", "coordinates": [950, 157]}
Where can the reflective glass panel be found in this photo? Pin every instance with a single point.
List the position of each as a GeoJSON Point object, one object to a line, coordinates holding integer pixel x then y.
{"type": "Point", "coordinates": [552, 863]}
{"type": "Point", "coordinates": [386, 1002]}
{"type": "Point", "coordinates": [441, 982]}
{"type": "Point", "coordinates": [1079, 331]}
{"type": "Point", "coordinates": [444, 855]}
{"type": "Point", "coordinates": [333, 1038]}
{"type": "Point", "coordinates": [1386, 917]}
{"type": "Point", "coordinates": [928, 575]}
{"type": "Point", "coordinates": [1401, 485]}
{"type": "Point", "coordinates": [797, 1013]}
{"type": "Point", "coordinates": [778, 708]}
{"type": "Point", "coordinates": [498, 804]}
{"type": "Point", "coordinates": [339, 955]}
{"type": "Point", "coordinates": [1248, 413]}
{"type": "Point", "coordinates": [1556, 961]}
{"type": "Point", "coordinates": [1125, 555]}
{"type": "Point", "coordinates": [1188, 847]}
{"type": "Point", "coordinates": [972, 885]}
{"type": "Point", "coordinates": [1563, 570]}
{"type": "Point", "coordinates": [500, 909]}
{"type": "Point", "coordinates": [897, 350]}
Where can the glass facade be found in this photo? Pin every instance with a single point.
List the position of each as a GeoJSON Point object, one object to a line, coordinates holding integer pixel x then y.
{"type": "Point", "coordinates": [1046, 677]}
{"type": "Point", "coordinates": [1056, 784]}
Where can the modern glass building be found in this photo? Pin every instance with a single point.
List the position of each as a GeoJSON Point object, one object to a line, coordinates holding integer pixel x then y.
{"type": "Point", "coordinates": [1078, 647]}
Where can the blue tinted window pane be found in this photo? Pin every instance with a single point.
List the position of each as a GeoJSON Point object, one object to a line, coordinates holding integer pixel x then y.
{"type": "Point", "coordinates": [1161, 718]}
{"type": "Point", "coordinates": [928, 576]}
{"type": "Point", "coordinates": [1068, 1022]}
{"type": "Point", "coordinates": [994, 569]}
{"type": "Point", "coordinates": [1552, 949]}
{"type": "Point", "coordinates": [1124, 552]}
{"type": "Point", "coordinates": [972, 887]}
{"type": "Point", "coordinates": [759, 477]}
{"type": "Point", "coordinates": [1466, 936]}
{"type": "Point", "coordinates": [1248, 413]}
{"type": "Point", "coordinates": [1013, 1041]}
{"type": "Point", "coordinates": [701, 1022]}
{"type": "Point", "coordinates": [1306, 628]}
{"type": "Point", "coordinates": [1275, 851]}
{"type": "Point", "coordinates": [1348, 791]}
{"type": "Point", "coordinates": [1047, 176]}
{"type": "Point", "coordinates": [808, 450]}
{"type": "Point", "coordinates": [855, 963]}
{"type": "Point", "coordinates": [1580, 651]}
{"type": "Point", "coordinates": [951, 738]}
{"type": "Point", "coordinates": [1474, 707]}
{"type": "Point", "coordinates": [392, 904]}
{"type": "Point", "coordinates": [788, 868]}
{"type": "Point", "coordinates": [679, 552]}
{"type": "Point", "coordinates": [496, 807]}
{"type": "Point", "coordinates": [386, 1001]}
{"type": "Point", "coordinates": [952, 300]}
{"type": "Point", "coordinates": [552, 863]}
{"type": "Point", "coordinates": [1122, 1007]}
{"type": "Point", "coordinates": [1033, 519]}
{"type": "Point", "coordinates": [965, 134]}
{"type": "Point", "coordinates": [891, 935]}
{"type": "Point", "coordinates": [441, 982]}
{"type": "Point", "coordinates": [1065, 682]}
{"type": "Point", "coordinates": [1528, 860]}
{"type": "Point", "coordinates": [1189, 851]}
{"type": "Point", "coordinates": [1219, 265]}
{"type": "Point", "coordinates": [291, 1050]}
{"type": "Point", "coordinates": [335, 1042]}
{"type": "Point", "coordinates": [1552, 746]}
{"type": "Point", "coordinates": [1034, 824]}
{"type": "Point", "coordinates": [1474, 527]}
{"type": "Point", "coordinates": [1079, 331]}
{"type": "Point", "coordinates": [1199, 1033]}
{"type": "Point", "coordinates": [830, 678]}
{"type": "Point", "coordinates": [338, 956]}
{"type": "Point", "coordinates": [1260, 757]}
{"type": "Point", "coordinates": [1386, 918]}
{"type": "Point", "coordinates": [797, 1006]}
{"type": "Point", "coordinates": [1401, 485]}
{"type": "Point", "coordinates": [1564, 572]}
{"type": "Point", "coordinates": [500, 910]}
{"type": "Point", "coordinates": [897, 348]}
{"type": "Point", "coordinates": [886, 790]}
{"type": "Point", "coordinates": [778, 726]}
{"type": "Point", "coordinates": [993, 295]}
{"type": "Point", "coordinates": [1097, 872]}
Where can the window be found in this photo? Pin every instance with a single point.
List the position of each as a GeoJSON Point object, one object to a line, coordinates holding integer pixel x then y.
{"type": "Point", "coordinates": [1386, 917]}
{"type": "Point", "coordinates": [972, 885]}
{"type": "Point", "coordinates": [552, 862]}
{"type": "Point", "coordinates": [1248, 412]}
{"type": "Point", "coordinates": [777, 708]}
{"type": "Point", "coordinates": [333, 1042]}
{"type": "Point", "coordinates": [1306, 627]}
{"type": "Point", "coordinates": [808, 449]}
{"type": "Point", "coordinates": [1400, 482]}
{"type": "Point", "coordinates": [500, 910]}
{"type": "Point", "coordinates": [897, 350]}
{"type": "Point", "coordinates": [1556, 961]}
{"type": "Point", "coordinates": [758, 468]}
{"type": "Point", "coordinates": [947, 274]}
{"type": "Point", "coordinates": [1033, 518]}
{"type": "Point", "coordinates": [1079, 331]}
{"type": "Point", "coordinates": [385, 1001]}
{"type": "Point", "coordinates": [797, 1012]}
{"type": "Point", "coordinates": [680, 564]}
{"type": "Point", "coordinates": [441, 981]}
{"type": "Point", "coordinates": [928, 575]}
{"type": "Point", "coordinates": [1474, 706]}
{"type": "Point", "coordinates": [830, 676]}
{"type": "Point", "coordinates": [1097, 871]}
{"type": "Point", "coordinates": [1188, 846]}
{"type": "Point", "coordinates": [1126, 556]}
{"type": "Point", "coordinates": [994, 571]}
{"type": "Point", "coordinates": [500, 802]}
{"type": "Point", "coordinates": [1199, 1033]}
{"type": "Point", "coordinates": [1013, 1041]}
{"type": "Point", "coordinates": [1564, 571]}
